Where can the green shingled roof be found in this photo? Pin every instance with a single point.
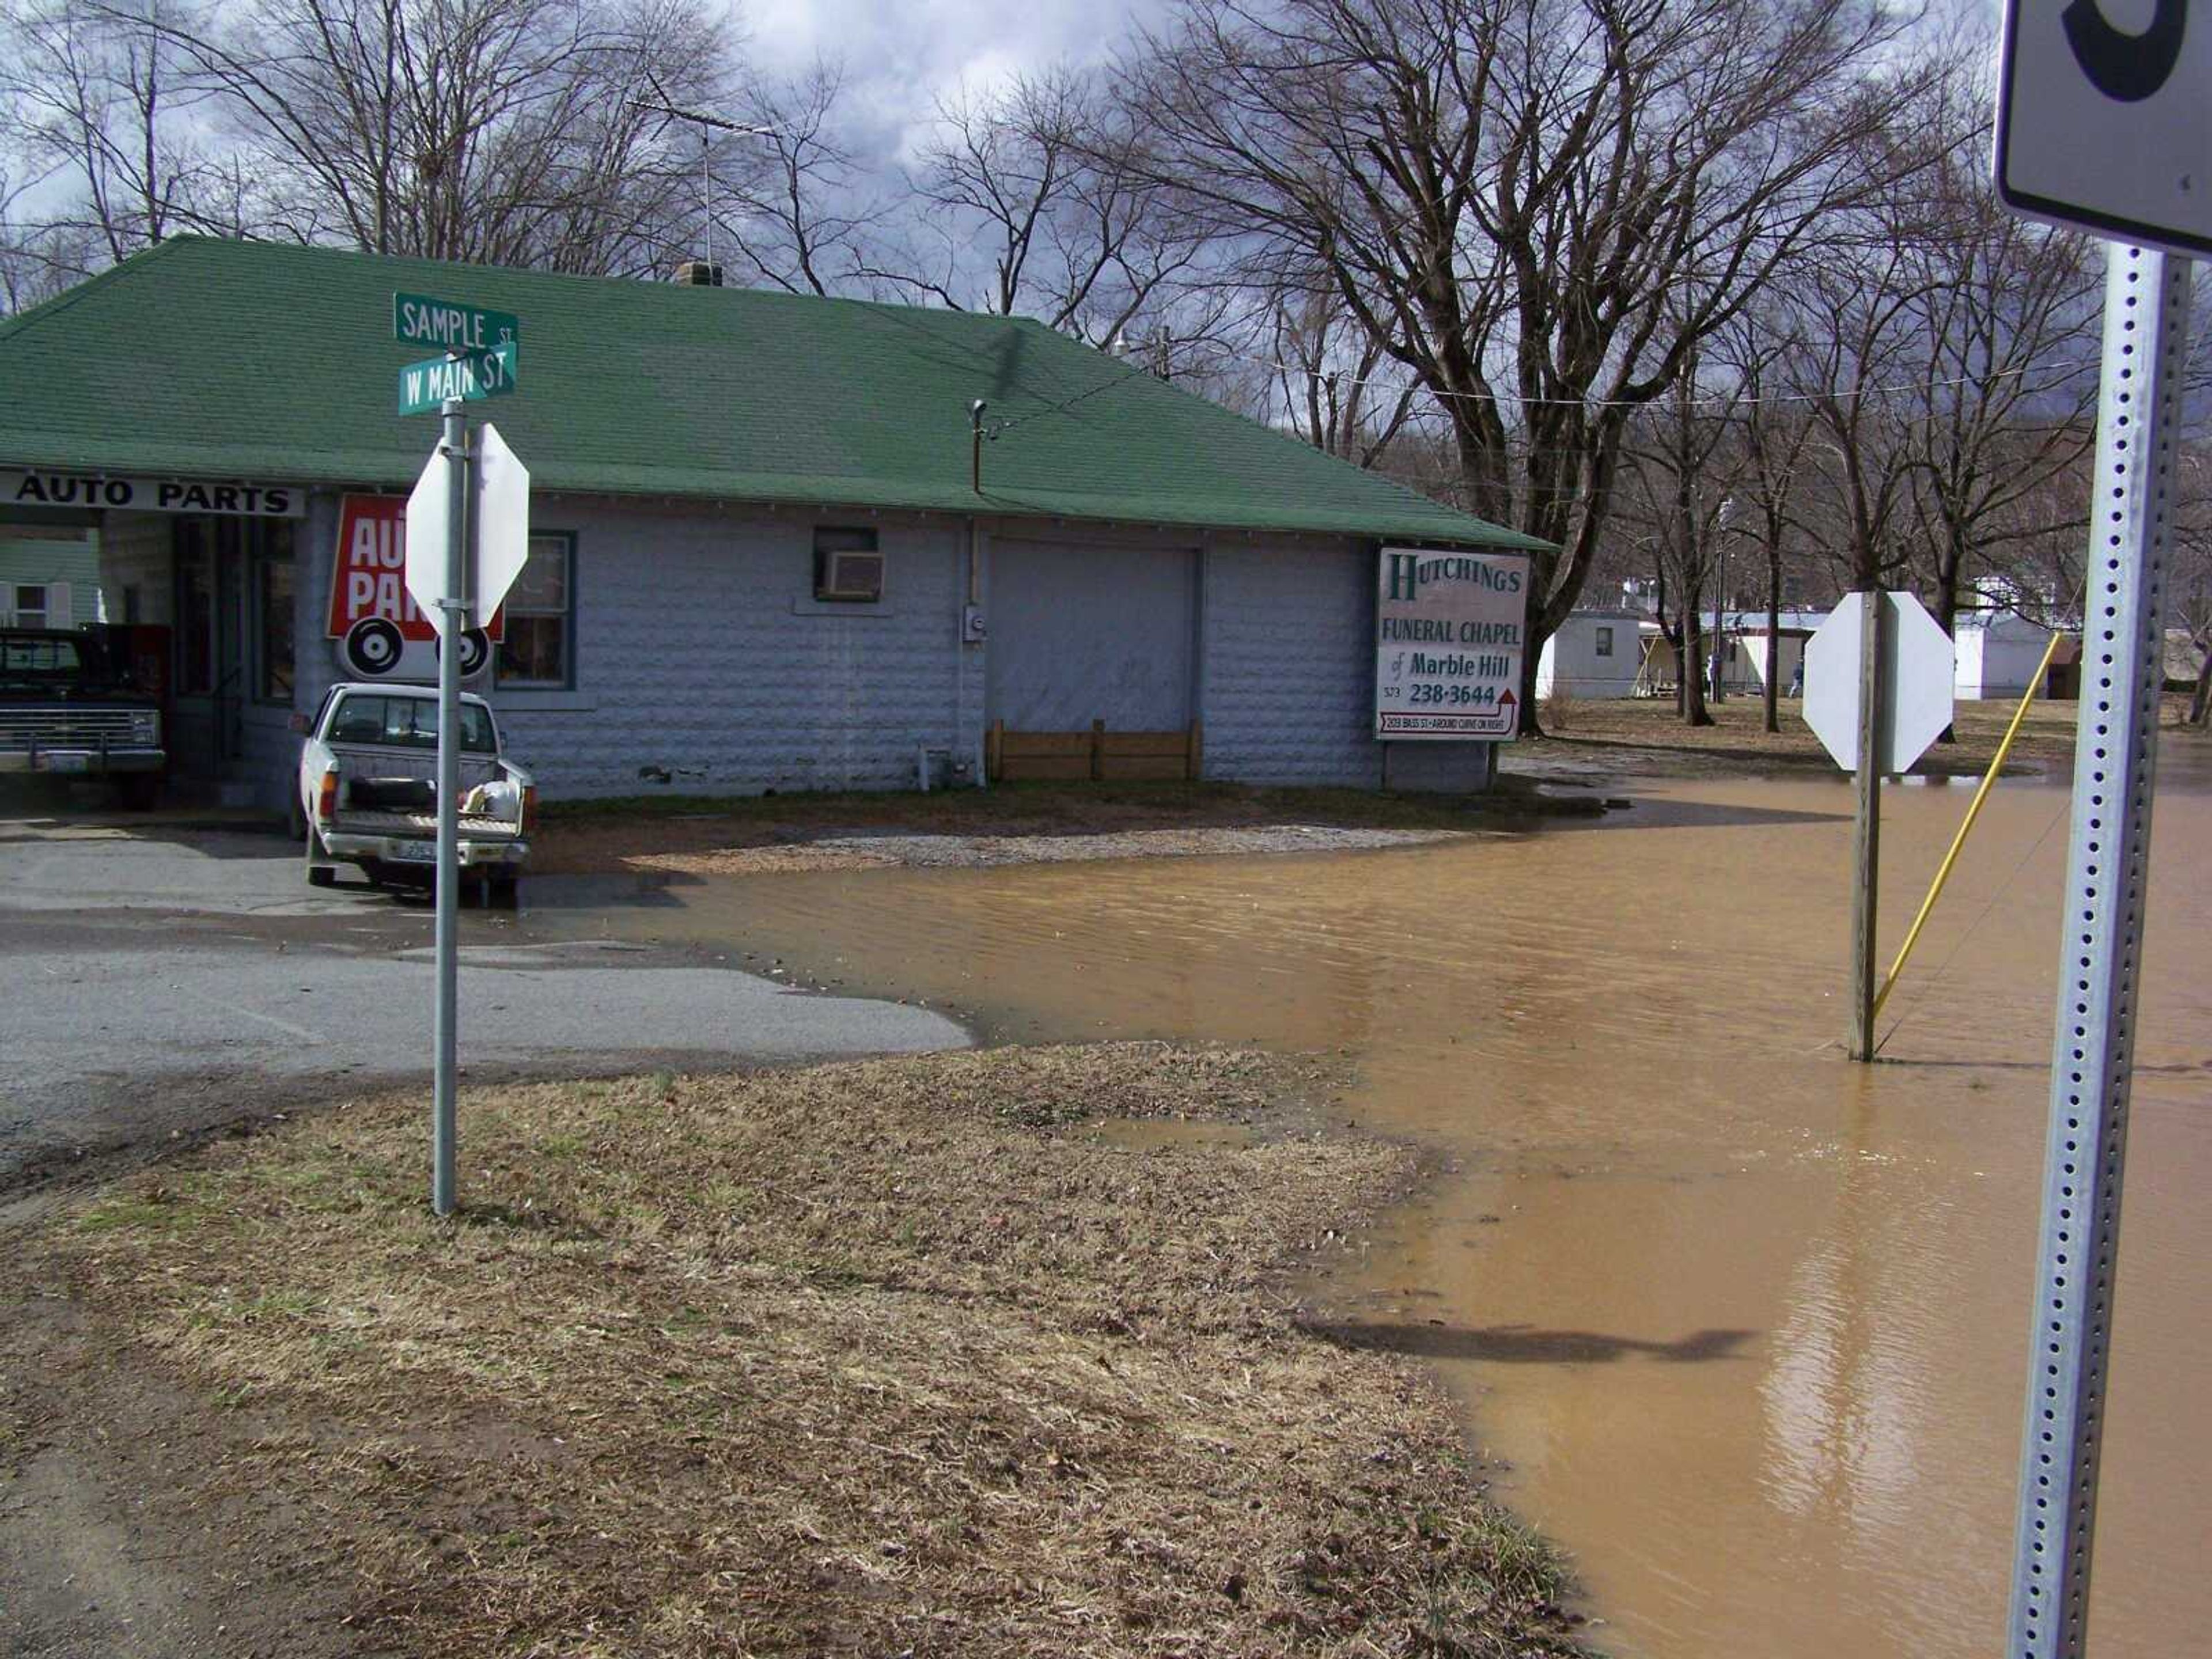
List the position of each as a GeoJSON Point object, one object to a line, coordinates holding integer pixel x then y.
{"type": "Point", "coordinates": [243, 360]}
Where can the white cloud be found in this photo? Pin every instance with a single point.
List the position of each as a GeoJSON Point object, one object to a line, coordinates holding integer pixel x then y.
{"type": "Point", "coordinates": [898, 59]}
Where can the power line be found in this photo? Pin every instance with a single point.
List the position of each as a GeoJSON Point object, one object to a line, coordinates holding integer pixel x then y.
{"type": "Point", "coordinates": [1004, 426]}
{"type": "Point", "coordinates": [1716, 400]}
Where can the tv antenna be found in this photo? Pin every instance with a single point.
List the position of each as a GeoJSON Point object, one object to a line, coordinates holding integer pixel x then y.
{"type": "Point", "coordinates": [707, 124]}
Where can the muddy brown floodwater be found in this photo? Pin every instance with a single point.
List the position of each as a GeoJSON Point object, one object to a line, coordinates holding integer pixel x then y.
{"type": "Point", "coordinates": [1746, 1321]}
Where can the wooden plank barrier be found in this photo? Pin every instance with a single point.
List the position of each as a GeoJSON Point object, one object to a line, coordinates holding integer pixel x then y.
{"type": "Point", "coordinates": [1097, 755]}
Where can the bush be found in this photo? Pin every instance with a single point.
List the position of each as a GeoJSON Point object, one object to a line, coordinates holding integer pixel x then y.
{"type": "Point", "coordinates": [1559, 707]}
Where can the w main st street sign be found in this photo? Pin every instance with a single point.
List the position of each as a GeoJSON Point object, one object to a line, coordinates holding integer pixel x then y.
{"type": "Point", "coordinates": [2105, 119]}
{"type": "Point", "coordinates": [470, 376]}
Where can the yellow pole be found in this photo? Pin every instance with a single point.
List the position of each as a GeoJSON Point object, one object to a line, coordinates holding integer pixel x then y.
{"type": "Point", "coordinates": [1974, 810]}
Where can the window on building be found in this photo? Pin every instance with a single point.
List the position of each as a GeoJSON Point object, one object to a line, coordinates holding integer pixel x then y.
{"type": "Point", "coordinates": [1604, 641]}
{"type": "Point", "coordinates": [539, 648]}
{"type": "Point", "coordinates": [29, 608]}
{"type": "Point", "coordinates": [848, 566]}
{"type": "Point", "coordinates": [275, 670]}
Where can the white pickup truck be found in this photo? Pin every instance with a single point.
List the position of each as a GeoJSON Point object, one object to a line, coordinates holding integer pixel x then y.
{"type": "Point", "coordinates": [368, 791]}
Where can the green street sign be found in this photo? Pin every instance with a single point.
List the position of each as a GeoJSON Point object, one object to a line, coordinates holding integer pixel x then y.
{"type": "Point", "coordinates": [418, 320]}
{"type": "Point", "coordinates": [470, 375]}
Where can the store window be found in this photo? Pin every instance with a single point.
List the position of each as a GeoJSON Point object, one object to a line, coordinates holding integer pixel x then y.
{"type": "Point", "coordinates": [539, 649]}
{"type": "Point", "coordinates": [29, 608]}
{"type": "Point", "coordinates": [195, 612]}
{"type": "Point", "coordinates": [275, 670]}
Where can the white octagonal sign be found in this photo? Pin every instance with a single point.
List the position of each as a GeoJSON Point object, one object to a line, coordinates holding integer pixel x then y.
{"type": "Point", "coordinates": [500, 513]}
{"type": "Point", "coordinates": [1917, 675]}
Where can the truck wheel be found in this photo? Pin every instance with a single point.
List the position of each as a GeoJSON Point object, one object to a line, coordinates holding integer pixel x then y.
{"type": "Point", "coordinates": [503, 892]}
{"type": "Point", "coordinates": [138, 791]}
{"type": "Point", "coordinates": [320, 872]}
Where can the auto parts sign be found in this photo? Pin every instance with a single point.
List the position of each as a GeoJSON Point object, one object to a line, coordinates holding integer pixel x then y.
{"type": "Point", "coordinates": [383, 633]}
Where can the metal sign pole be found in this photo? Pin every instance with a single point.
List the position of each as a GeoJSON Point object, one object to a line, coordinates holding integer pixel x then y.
{"type": "Point", "coordinates": [460, 562]}
{"type": "Point", "coordinates": [2115, 756]}
{"type": "Point", "coordinates": [1866, 823]}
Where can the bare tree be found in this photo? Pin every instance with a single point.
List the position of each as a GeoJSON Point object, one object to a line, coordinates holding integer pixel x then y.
{"type": "Point", "coordinates": [1856, 346]}
{"type": "Point", "coordinates": [99, 106]}
{"type": "Point", "coordinates": [802, 222]}
{"type": "Point", "coordinates": [1031, 200]}
{"type": "Point", "coordinates": [2004, 397]}
{"type": "Point", "coordinates": [1775, 433]}
{"type": "Point", "coordinates": [502, 131]}
{"type": "Point", "coordinates": [1332, 380]}
{"type": "Point", "coordinates": [1538, 207]}
{"type": "Point", "coordinates": [1682, 459]}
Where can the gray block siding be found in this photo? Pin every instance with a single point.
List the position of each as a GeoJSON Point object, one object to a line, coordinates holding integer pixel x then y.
{"type": "Point", "coordinates": [701, 651]}
{"type": "Point", "coordinates": [1289, 674]}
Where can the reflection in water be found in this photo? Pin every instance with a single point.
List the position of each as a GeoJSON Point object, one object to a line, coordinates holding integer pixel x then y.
{"type": "Point", "coordinates": [1521, 1345]}
{"type": "Point", "coordinates": [1748, 1321]}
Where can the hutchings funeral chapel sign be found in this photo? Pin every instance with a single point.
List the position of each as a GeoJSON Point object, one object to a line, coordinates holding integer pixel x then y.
{"type": "Point", "coordinates": [1450, 633]}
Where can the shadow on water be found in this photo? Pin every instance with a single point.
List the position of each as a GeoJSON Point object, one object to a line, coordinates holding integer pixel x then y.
{"type": "Point", "coordinates": [1678, 814]}
{"type": "Point", "coordinates": [643, 890]}
{"type": "Point", "coordinates": [1524, 1344]}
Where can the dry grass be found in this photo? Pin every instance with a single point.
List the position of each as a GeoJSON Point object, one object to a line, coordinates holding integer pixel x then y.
{"type": "Point", "coordinates": [1647, 736]}
{"type": "Point", "coordinates": [878, 1357]}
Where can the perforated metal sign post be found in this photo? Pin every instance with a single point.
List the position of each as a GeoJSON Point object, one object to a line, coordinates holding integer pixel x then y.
{"type": "Point", "coordinates": [465, 497]}
{"type": "Point", "coordinates": [2115, 756]}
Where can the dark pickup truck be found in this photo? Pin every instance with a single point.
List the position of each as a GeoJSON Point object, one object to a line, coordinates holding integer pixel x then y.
{"type": "Point", "coordinates": [68, 708]}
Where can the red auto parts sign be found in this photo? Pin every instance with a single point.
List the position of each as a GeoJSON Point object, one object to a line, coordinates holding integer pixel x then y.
{"type": "Point", "coordinates": [382, 633]}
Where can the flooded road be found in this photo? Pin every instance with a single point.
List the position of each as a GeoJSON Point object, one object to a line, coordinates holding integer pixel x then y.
{"type": "Point", "coordinates": [1748, 1321]}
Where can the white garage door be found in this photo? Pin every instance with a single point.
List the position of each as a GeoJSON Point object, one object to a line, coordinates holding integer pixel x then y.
{"type": "Point", "coordinates": [1082, 633]}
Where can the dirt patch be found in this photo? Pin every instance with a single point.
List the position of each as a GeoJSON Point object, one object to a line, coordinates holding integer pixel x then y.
{"type": "Point", "coordinates": [982, 851]}
{"type": "Point", "coordinates": [880, 1357]}
{"type": "Point", "coordinates": [1012, 823]}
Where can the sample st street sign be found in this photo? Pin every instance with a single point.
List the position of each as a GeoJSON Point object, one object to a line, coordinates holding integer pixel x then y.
{"type": "Point", "coordinates": [1448, 637]}
{"type": "Point", "coordinates": [2104, 118]}
{"type": "Point", "coordinates": [499, 531]}
{"type": "Point", "coordinates": [1917, 677]}
{"type": "Point", "coordinates": [418, 320]}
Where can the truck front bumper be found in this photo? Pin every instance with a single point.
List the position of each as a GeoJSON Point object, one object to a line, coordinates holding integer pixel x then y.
{"type": "Point", "coordinates": [72, 760]}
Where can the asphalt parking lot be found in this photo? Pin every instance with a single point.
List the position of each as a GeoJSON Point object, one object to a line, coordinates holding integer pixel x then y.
{"type": "Point", "coordinates": [170, 974]}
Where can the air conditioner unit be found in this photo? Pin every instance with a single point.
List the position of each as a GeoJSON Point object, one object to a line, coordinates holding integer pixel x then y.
{"type": "Point", "coordinates": [851, 576]}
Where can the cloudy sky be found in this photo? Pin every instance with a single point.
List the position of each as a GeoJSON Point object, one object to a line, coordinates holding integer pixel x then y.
{"type": "Point", "coordinates": [898, 57]}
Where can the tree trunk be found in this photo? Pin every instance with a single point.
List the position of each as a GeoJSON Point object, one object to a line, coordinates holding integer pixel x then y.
{"type": "Point", "coordinates": [1773, 717]}
{"type": "Point", "coordinates": [2200, 706]}
{"type": "Point", "coordinates": [1531, 726]}
{"type": "Point", "coordinates": [1946, 618]}
{"type": "Point", "coordinates": [1695, 712]}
